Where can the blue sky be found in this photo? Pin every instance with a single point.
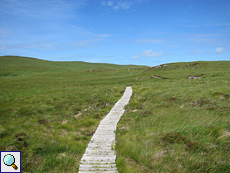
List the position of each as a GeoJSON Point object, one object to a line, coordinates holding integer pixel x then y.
{"type": "Point", "coordinates": [141, 32]}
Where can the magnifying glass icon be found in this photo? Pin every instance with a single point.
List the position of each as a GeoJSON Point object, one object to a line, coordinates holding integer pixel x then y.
{"type": "Point", "coordinates": [9, 160]}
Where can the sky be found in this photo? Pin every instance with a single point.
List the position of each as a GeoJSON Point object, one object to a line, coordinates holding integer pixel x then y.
{"type": "Point", "coordinates": [139, 32]}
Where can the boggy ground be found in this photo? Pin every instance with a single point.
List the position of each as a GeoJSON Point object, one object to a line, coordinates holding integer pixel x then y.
{"type": "Point", "coordinates": [50, 110]}
{"type": "Point", "coordinates": [179, 124]}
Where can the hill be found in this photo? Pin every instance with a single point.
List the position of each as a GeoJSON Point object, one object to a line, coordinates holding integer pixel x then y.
{"type": "Point", "coordinates": [50, 110]}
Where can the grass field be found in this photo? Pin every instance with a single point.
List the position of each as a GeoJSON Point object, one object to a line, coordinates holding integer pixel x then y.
{"type": "Point", "coordinates": [50, 110]}
{"type": "Point", "coordinates": [178, 124]}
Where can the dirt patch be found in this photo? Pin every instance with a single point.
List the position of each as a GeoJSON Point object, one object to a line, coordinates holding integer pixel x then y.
{"type": "Point", "coordinates": [158, 77]}
{"type": "Point", "coordinates": [43, 121]}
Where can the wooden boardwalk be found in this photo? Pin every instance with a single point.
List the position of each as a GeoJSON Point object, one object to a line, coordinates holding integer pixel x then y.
{"type": "Point", "coordinates": [100, 154]}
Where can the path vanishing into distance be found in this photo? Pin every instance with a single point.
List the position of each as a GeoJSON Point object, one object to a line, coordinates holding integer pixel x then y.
{"type": "Point", "coordinates": [100, 154]}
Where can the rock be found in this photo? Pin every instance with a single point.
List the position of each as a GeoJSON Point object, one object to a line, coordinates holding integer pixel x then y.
{"type": "Point", "coordinates": [155, 76]}
{"type": "Point", "coordinates": [159, 77]}
{"type": "Point", "coordinates": [158, 67]}
{"type": "Point", "coordinates": [76, 116]}
{"type": "Point", "coordinates": [191, 77]}
{"type": "Point", "coordinates": [64, 121]}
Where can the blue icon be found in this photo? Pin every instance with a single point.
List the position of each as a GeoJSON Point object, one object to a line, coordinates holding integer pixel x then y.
{"type": "Point", "coordinates": [9, 160]}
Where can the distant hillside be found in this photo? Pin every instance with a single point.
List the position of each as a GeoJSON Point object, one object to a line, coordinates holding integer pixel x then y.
{"type": "Point", "coordinates": [73, 65]}
{"type": "Point", "coordinates": [22, 66]}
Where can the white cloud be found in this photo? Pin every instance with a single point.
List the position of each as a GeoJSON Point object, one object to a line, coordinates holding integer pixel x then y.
{"type": "Point", "coordinates": [110, 3]}
{"type": "Point", "coordinates": [219, 50]}
{"type": "Point", "coordinates": [124, 5]}
{"type": "Point", "coordinates": [150, 53]}
{"type": "Point", "coordinates": [121, 4]}
{"type": "Point", "coordinates": [116, 7]}
{"type": "Point", "coordinates": [135, 57]}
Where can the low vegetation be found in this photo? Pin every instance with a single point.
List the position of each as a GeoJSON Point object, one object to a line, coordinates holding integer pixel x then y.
{"type": "Point", "coordinates": [179, 124]}
{"type": "Point", "coordinates": [50, 110]}
{"type": "Point", "coordinates": [173, 123]}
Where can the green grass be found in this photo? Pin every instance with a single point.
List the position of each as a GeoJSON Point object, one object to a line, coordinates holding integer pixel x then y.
{"type": "Point", "coordinates": [50, 110]}
{"type": "Point", "coordinates": [179, 124]}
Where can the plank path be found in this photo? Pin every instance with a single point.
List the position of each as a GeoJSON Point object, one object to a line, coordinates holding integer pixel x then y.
{"type": "Point", "coordinates": [100, 154]}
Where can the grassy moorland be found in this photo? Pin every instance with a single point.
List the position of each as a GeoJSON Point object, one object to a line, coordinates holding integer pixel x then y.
{"type": "Point", "coordinates": [177, 124]}
{"type": "Point", "coordinates": [50, 110]}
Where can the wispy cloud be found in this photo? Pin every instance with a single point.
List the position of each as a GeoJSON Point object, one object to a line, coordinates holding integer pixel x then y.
{"type": "Point", "coordinates": [129, 29]}
{"type": "Point", "coordinates": [107, 3]}
{"type": "Point", "coordinates": [220, 50]}
{"type": "Point", "coordinates": [44, 46]}
{"type": "Point", "coordinates": [203, 37]}
{"type": "Point", "coordinates": [148, 53]}
{"type": "Point", "coordinates": [41, 9]}
{"type": "Point", "coordinates": [85, 33]}
{"type": "Point", "coordinates": [135, 57]}
{"type": "Point", "coordinates": [196, 52]}
{"type": "Point", "coordinates": [188, 25]}
{"type": "Point", "coordinates": [213, 39]}
{"type": "Point", "coordinates": [82, 32]}
{"type": "Point", "coordinates": [116, 5]}
{"type": "Point", "coordinates": [105, 35]}
{"type": "Point", "coordinates": [88, 42]}
{"type": "Point", "coordinates": [51, 40]}
{"type": "Point", "coordinates": [120, 4]}
{"type": "Point", "coordinates": [4, 32]}
{"type": "Point", "coordinates": [219, 24]}
{"type": "Point", "coordinates": [87, 38]}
